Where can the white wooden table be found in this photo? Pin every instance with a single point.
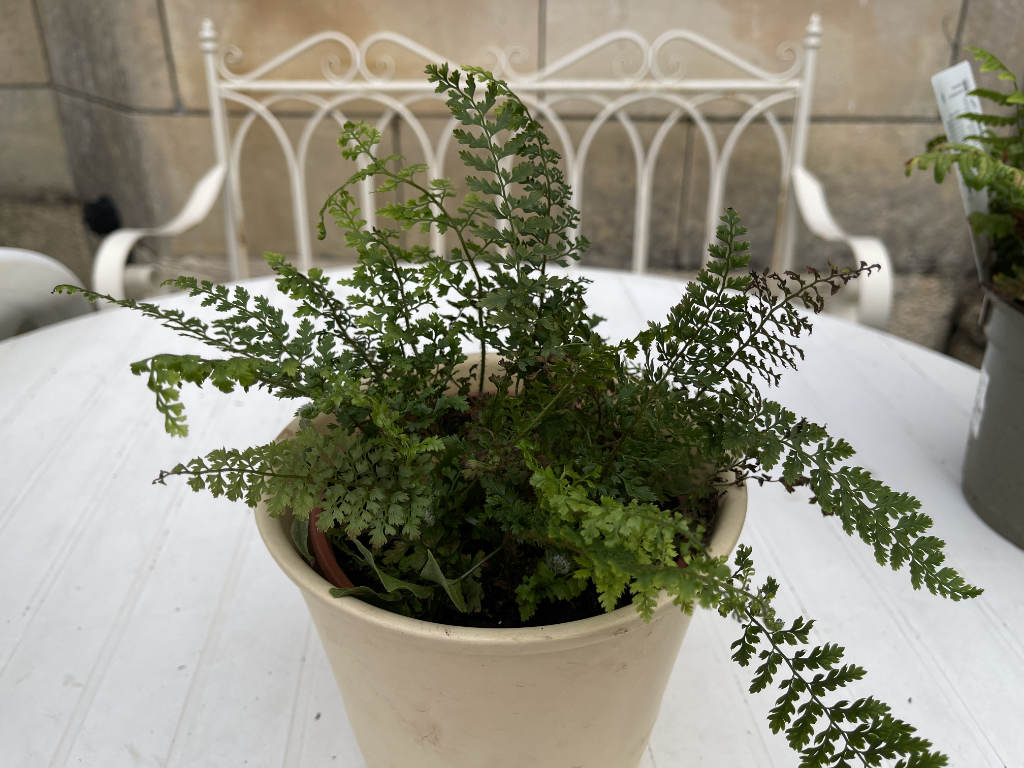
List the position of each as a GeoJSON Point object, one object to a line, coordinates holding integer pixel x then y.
{"type": "Point", "coordinates": [143, 625]}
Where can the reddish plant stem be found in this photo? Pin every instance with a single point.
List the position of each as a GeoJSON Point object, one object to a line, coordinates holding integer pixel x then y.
{"type": "Point", "coordinates": [323, 553]}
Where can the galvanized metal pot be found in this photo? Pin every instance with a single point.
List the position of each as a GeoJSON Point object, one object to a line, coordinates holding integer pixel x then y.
{"type": "Point", "coordinates": [993, 472]}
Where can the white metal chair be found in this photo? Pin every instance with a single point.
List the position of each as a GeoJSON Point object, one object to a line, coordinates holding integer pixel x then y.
{"type": "Point", "coordinates": [27, 279]}
{"type": "Point", "coordinates": [544, 91]}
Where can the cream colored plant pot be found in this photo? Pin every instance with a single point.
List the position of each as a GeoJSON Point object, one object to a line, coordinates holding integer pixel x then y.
{"type": "Point", "coordinates": [421, 695]}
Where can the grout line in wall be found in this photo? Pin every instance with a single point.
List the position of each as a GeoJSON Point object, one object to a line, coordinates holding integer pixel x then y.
{"type": "Point", "coordinates": [172, 70]}
{"type": "Point", "coordinates": [868, 119]}
{"type": "Point", "coordinates": [961, 22]}
{"type": "Point", "coordinates": [26, 86]}
{"type": "Point", "coordinates": [542, 33]}
{"type": "Point", "coordinates": [103, 101]}
{"type": "Point", "coordinates": [681, 255]}
{"type": "Point", "coordinates": [39, 197]}
{"type": "Point", "coordinates": [202, 112]}
{"type": "Point", "coordinates": [42, 40]}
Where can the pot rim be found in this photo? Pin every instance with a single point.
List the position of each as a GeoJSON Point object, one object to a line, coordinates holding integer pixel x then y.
{"type": "Point", "coordinates": [456, 639]}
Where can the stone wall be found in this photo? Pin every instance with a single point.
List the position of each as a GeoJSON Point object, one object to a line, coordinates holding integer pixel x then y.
{"type": "Point", "coordinates": [107, 97]}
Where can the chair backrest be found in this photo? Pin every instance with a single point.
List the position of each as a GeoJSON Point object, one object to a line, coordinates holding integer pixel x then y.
{"type": "Point", "coordinates": [27, 302]}
{"type": "Point", "coordinates": [545, 92]}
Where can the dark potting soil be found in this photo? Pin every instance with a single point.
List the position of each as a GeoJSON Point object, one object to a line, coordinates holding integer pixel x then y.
{"type": "Point", "coordinates": [504, 572]}
{"type": "Point", "coordinates": [500, 577]}
{"type": "Point", "coordinates": [499, 608]}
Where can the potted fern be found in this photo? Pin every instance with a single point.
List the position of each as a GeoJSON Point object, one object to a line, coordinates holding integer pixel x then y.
{"type": "Point", "coordinates": [993, 163]}
{"type": "Point", "coordinates": [499, 519]}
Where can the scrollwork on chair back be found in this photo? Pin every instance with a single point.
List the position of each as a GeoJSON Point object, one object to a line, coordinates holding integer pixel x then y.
{"type": "Point", "coordinates": [368, 72]}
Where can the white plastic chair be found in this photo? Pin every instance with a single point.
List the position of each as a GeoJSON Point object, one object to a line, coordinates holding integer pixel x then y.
{"type": "Point", "coordinates": [27, 280]}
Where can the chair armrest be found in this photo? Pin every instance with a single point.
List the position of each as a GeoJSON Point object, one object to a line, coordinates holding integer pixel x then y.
{"type": "Point", "coordinates": [108, 271]}
{"type": "Point", "coordinates": [874, 296]}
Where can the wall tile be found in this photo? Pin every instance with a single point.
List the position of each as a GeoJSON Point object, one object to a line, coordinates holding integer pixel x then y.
{"type": "Point", "coordinates": [996, 26]}
{"type": "Point", "coordinates": [110, 49]}
{"type": "Point", "coordinates": [609, 188]}
{"type": "Point", "coordinates": [264, 28]}
{"type": "Point", "coordinates": [876, 57]}
{"type": "Point", "coordinates": [106, 157]}
{"type": "Point", "coordinates": [609, 196]}
{"type": "Point", "coordinates": [751, 187]}
{"type": "Point", "coordinates": [51, 227]}
{"type": "Point", "coordinates": [966, 336]}
{"type": "Point", "coordinates": [22, 59]}
{"type": "Point", "coordinates": [876, 61]}
{"type": "Point", "coordinates": [175, 152]}
{"type": "Point", "coordinates": [269, 223]}
{"type": "Point", "coordinates": [33, 161]}
{"type": "Point", "coordinates": [861, 168]}
{"type": "Point", "coordinates": [923, 307]}
{"type": "Point", "coordinates": [179, 150]}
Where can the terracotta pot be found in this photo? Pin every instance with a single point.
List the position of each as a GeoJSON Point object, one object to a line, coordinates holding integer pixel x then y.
{"type": "Point", "coordinates": [423, 695]}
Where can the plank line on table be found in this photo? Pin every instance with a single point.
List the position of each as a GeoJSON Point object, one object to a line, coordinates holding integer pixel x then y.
{"type": "Point", "coordinates": [164, 638]}
{"type": "Point", "coordinates": [197, 559]}
{"type": "Point", "coordinates": [66, 350]}
{"type": "Point", "coordinates": [956, 379]}
{"type": "Point", "coordinates": [1010, 638]}
{"type": "Point", "coordinates": [856, 366]}
{"type": "Point", "coordinates": [241, 702]}
{"type": "Point", "coordinates": [103, 563]}
{"type": "Point", "coordinates": [45, 518]}
{"type": "Point", "coordinates": [326, 736]}
{"type": "Point", "coordinates": [804, 591]}
{"type": "Point", "coordinates": [62, 753]}
{"type": "Point", "coordinates": [706, 709]}
{"type": "Point", "coordinates": [725, 631]}
{"type": "Point", "coordinates": [941, 661]}
{"type": "Point", "coordinates": [48, 650]}
{"type": "Point", "coordinates": [901, 459]}
{"type": "Point", "coordinates": [854, 389]}
{"type": "Point", "coordinates": [708, 703]}
{"type": "Point", "coordinates": [941, 630]}
{"type": "Point", "coordinates": [188, 716]}
{"type": "Point", "coordinates": [955, 630]}
{"type": "Point", "coordinates": [906, 387]}
{"type": "Point", "coordinates": [24, 467]}
{"type": "Point", "coordinates": [789, 603]}
{"type": "Point", "coordinates": [837, 598]}
{"type": "Point", "coordinates": [48, 533]}
{"type": "Point", "coordinates": [926, 410]}
{"type": "Point", "coordinates": [911, 400]}
{"type": "Point", "coordinates": [300, 704]}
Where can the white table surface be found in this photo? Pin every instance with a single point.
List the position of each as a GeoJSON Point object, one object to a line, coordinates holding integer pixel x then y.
{"type": "Point", "coordinates": [143, 625]}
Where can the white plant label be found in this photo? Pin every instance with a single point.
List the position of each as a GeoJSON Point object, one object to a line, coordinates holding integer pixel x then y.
{"type": "Point", "coordinates": [952, 93]}
{"type": "Point", "coordinates": [979, 403]}
{"type": "Point", "coordinates": [953, 88]}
